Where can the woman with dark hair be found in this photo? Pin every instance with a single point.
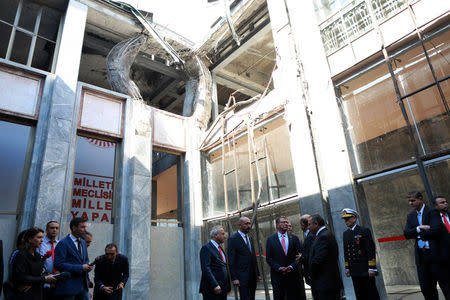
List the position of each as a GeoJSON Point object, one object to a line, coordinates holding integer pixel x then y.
{"type": "Point", "coordinates": [28, 273]}
{"type": "Point", "coordinates": [7, 285]}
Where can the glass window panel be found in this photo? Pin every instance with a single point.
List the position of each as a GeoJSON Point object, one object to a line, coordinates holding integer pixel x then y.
{"type": "Point", "coordinates": [333, 36]}
{"type": "Point", "coordinates": [93, 186]}
{"type": "Point", "coordinates": [43, 54]}
{"type": "Point", "coordinates": [383, 9]}
{"type": "Point", "coordinates": [242, 158]}
{"type": "Point", "coordinates": [28, 15]}
{"type": "Point", "coordinates": [231, 192]}
{"type": "Point", "coordinates": [275, 158]}
{"type": "Point", "coordinates": [279, 166]}
{"type": "Point", "coordinates": [438, 174]}
{"type": "Point", "coordinates": [5, 33]}
{"type": "Point", "coordinates": [388, 208]}
{"type": "Point", "coordinates": [8, 9]}
{"type": "Point", "coordinates": [375, 127]}
{"type": "Point", "coordinates": [357, 20]}
{"type": "Point", "coordinates": [264, 197]}
{"type": "Point", "coordinates": [165, 189]}
{"type": "Point", "coordinates": [49, 25]}
{"type": "Point", "coordinates": [438, 50]}
{"type": "Point", "coordinates": [215, 203]}
{"type": "Point", "coordinates": [427, 112]}
{"type": "Point", "coordinates": [412, 70]}
{"type": "Point", "coordinates": [21, 47]}
{"type": "Point", "coordinates": [325, 8]}
{"type": "Point", "coordinates": [14, 140]}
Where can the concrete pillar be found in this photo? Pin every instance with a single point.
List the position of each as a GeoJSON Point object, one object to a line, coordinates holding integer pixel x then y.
{"type": "Point", "coordinates": [326, 124]}
{"type": "Point", "coordinates": [57, 132]}
{"type": "Point", "coordinates": [192, 207]}
{"type": "Point", "coordinates": [133, 206]}
{"type": "Point", "coordinates": [287, 83]}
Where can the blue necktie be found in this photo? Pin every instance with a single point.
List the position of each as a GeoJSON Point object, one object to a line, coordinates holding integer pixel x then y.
{"type": "Point", "coordinates": [420, 243]}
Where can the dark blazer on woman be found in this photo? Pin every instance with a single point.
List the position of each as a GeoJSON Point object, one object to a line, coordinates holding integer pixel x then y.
{"type": "Point", "coordinates": [28, 270]}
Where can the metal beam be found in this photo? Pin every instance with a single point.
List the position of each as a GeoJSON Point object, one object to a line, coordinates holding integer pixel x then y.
{"type": "Point", "coordinates": [254, 39]}
{"type": "Point", "coordinates": [104, 47]}
{"type": "Point", "coordinates": [175, 102]}
{"type": "Point", "coordinates": [155, 100]}
{"type": "Point", "coordinates": [236, 82]}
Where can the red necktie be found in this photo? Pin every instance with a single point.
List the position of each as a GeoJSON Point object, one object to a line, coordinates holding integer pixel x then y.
{"type": "Point", "coordinates": [223, 256]}
{"type": "Point", "coordinates": [53, 255]}
{"type": "Point", "coordinates": [283, 244]}
{"type": "Point", "coordinates": [446, 223]}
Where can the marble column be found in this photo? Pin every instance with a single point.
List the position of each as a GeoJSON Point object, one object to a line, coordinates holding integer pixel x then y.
{"type": "Point", "coordinates": [49, 184]}
{"type": "Point", "coordinates": [326, 124]}
{"type": "Point", "coordinates": [133, 208]}
{"type": "Point", "coordinates": [287, 82]}
{"type": "Point", "coordinates": [192, 209]}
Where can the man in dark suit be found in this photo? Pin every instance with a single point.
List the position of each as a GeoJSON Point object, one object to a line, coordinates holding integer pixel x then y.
{"type": "Point", "coordinates": [111, 274]}
{"type": "Point", "coordinates": [323, 262]}
{"type": "Point", "coordinates": [307, 242]}
{"type": "Point", "coordinates": [422, 225]}
{"type": "Point", "coordinates": [71, 256]}
{"type": "Point", "coordinates": [214, 284]}
{"type": "Point", "coordinates": [242, 260]}
{"type": "Point", "coordinates": [359, 254]}
{"type": "Point", "coordinates": [1, 266]}
{"type": "Point", "coordinates": [440, 219]}
{"type": "Point", "coordinates": [281, 251]}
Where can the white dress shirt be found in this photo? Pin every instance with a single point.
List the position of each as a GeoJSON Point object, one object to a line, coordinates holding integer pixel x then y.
{"type": "Point", "coordinates": [246, 238]}
{"type": "Point", "coordinates": [47, 246]}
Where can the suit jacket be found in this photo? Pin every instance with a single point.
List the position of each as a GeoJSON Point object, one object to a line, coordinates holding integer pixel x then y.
{"type": "Point", "coordinates": [110, 273]}
{"type": "Point", "coordinates": [443, 240]}
{"type": "Point", "coordinates": [323, 263]}
{"type": "Point", "coordinates": [276, 258]}
{"type": "Point", "coordinates": [68, 259]}
{"type": "Point", "coordinates": [242, 260]}
{"type": "Point", "coordinates": [1, 266]}
{"type": "Point", "coordinates": [305, 250]}
{"type": "Point", "coordinates": [432, 235]}
{"type": "Point", "coordinates": [359, 251]}
{"type": "Point", "coordinates": [214, 270]}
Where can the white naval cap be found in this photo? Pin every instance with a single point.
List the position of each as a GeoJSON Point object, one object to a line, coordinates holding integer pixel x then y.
{"type": "Point", "coordinates": [348, 212]}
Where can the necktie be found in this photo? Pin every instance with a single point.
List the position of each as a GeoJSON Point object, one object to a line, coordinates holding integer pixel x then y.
{"type": "Point", "coordinates": [446, 222]}
{"type": "Point", "coordinates": [283, 244]}
{"type": "Point", "coordinates": [223, 256]}
{"type": "Point", "coordinates": [53, 255]}
{"type": "Point", "coordinates": [79, 246]}
{"type": "Point", "coordinates": [420, 243]}
{"type": "Point", "coordinates": [248, 243]}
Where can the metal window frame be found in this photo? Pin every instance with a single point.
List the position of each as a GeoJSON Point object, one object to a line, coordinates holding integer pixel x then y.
{"type": "Point", "coordinates": [33, 34]}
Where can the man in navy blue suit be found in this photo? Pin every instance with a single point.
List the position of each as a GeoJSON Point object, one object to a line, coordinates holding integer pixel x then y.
{"type": "Point", "coordinates": [423, 225]}
{"type": "Point", "coordinates": [242, 260]}
{"type": "Point", "coordinates": [281, 251]}
{"type": "Point", "coordinates": [71, 256]}
{"type": "Point", "coordinates": [214, 284]}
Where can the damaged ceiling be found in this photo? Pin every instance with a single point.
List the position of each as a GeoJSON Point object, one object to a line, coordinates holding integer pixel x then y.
{"type": "Point", "coordinates": [246, 68]}
{"type": "Point", "coordinates": [161, 82]}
